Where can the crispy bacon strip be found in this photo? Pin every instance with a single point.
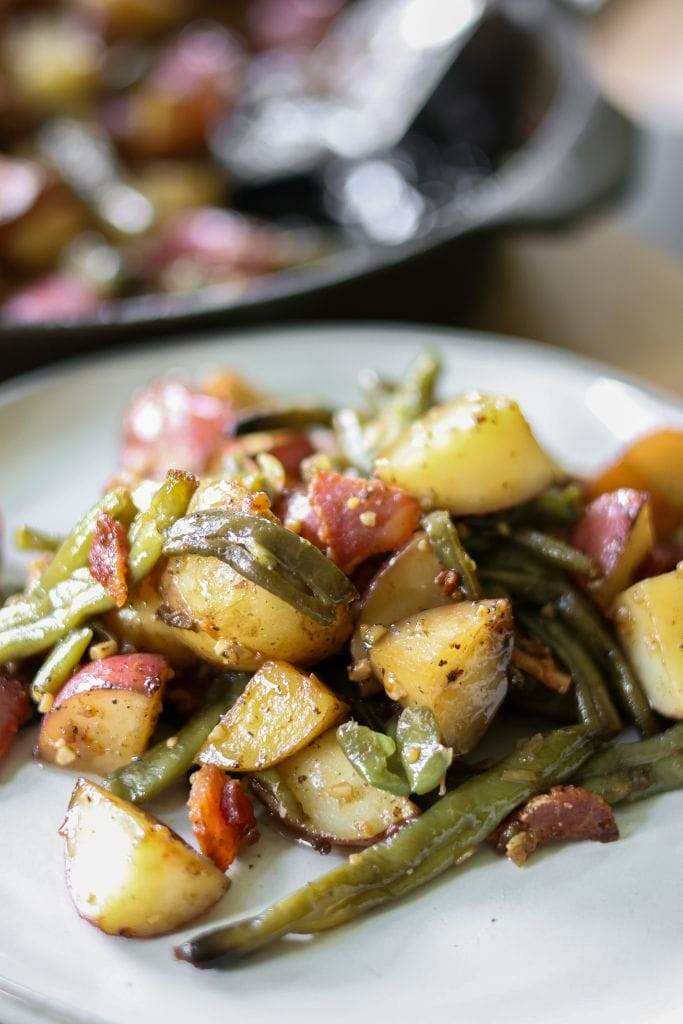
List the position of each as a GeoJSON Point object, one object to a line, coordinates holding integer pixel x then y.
{"type": "Point", "coordinates": [15, 709]}
{"type": "Point", "coordinates": [352, 519]}
{"type": "Point", "coordinates": [537, 661]}
{"type": "Point", "coordinates": [221, 815]}
{"type": "Point", "coordinates": [566, 812]}
{"type": "Point", "coordinates": [109, 557]}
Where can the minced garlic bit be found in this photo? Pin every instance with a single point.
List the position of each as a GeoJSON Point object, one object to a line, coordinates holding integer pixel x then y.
{"type": "Point", "coordinates": [59, 742]}
{"type": "Point", "coordinates": [413, 754]}
{"type": "Point", "coordinates": [361, 671]}
{"type": "Point", "coordinates": [368, 518]}
{"type": "Point", "coordinates": [65, 755]}
{"type": "Point", "coordinates": [371, 634]}
{"type": "Point", "coordinates": [342, 791]}
{"type": "Point", "coordinates": [171, 742]}
{"type": "Point", "coordinates": [423, 545]}
{"type": "Point", "coordinates": [45, 703]}
{"type": "Point", "coordinates": [105, 649]}
{"type": "Point", "coordinates": [353, 501]}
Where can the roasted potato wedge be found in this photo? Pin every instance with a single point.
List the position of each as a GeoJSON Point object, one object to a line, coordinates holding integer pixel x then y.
{"type": "Point", "coordinates": [649, 620]}
{"type": "Point", "coordinates": [473, 455]}
{"type": "Point", "coordinates": [405, 584]}
{"type": "Point", "coordinates": [616, 531]}
{"type": "Point", "coordinates": [318, 795]}
{"type": "Point", "coordinates": [453, 660]}
{"type": "Point", "coordinates": [280, 711]}
{"type": "Point", "coordinates": [105, 714]}
{"type": "Point", "coordinates": [129, 874]}
{"type": "Point", "coordinates": [235, 623]}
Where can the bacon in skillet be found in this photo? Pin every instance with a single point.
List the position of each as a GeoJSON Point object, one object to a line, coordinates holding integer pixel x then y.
{"type": "Point", "coordinates": [221, 815]}
{"type": "Point", "coordinates": [109, 558]}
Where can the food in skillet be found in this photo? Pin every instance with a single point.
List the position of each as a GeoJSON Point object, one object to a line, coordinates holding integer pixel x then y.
{"type": "Point", "coordinates": [108, 185]}
{"type": "Point", "coordinates": [315, 616]}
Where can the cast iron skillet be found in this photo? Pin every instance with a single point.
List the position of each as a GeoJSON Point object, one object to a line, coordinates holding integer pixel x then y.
{"type": "Point", "coordinates": [559, 150]}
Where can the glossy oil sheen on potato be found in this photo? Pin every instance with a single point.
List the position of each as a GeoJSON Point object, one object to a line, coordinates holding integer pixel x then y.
{"type": "Point", "coordinates": [473, 455]}
{"type": "Point", "coordinates": [328, 802]}
{"type": "Point", "coordinates": [649, 619]}
{"type": "Point", "coordinates": [235, 623]}
{"type": "Point", "coordinates": [280, 711]}
{"type": "Point", "coordinates": [127, 873]}
{"type": "Point", "coordinates": [453, 660]}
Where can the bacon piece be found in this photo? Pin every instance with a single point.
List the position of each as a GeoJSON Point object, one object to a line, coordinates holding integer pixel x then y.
{"type": "Point", "coordinates": [354, 518]}
{"type": "Point", "coordinates": [171, 425]}
{"type": "Point", "coordinates": [537, 661]}
{"type": "Point", "coordinates": [109, 557]}
{"type": "Point", "coordinates": [221, 815]}
{"type": "Point", "coordinates": [566, 812]}
{"type": "Point", "coordinates": [15, 709]}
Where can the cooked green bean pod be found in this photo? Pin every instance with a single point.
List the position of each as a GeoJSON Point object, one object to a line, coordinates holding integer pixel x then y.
{"type": "Point", "coordinates": [291, 417]}
{"type": "Point", "coordinates": [442, 837]}
{"type": "Point", "coordinates": [586, 620]}
{"type": "Point", "coordinates": [28, 538]}
{"type": "Point", "coordinates": [557, 506]}
{"type": "Point", "coordinates": [148, 530]}
{"type": "Point", "coordinates": [554, 551]}
{"type": "Point", "coordinates": [145, 777]}
{"type": "Point", "coordinates": [625, 772]}
{"type": "Point", "coordinates": [269, 555]}
{"type": "Point", "coordinates": [592, 696]}
{"type": "Point", "coordinates": [448, 548]}
{"type": "Point", "coordinates": [373, 755]}
{"type": "Point", "coordinates": [61, 662]}
{"type": "Point", "coordinates": [73, 552]}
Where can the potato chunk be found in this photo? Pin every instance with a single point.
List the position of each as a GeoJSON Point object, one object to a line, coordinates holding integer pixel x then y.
{"type": "Point", "coordinates": [649, 619]}
{"type": "Point", "coordinates": [320, 796]}
{"type": "Point", "coordinates": [453, 660]}
{"type": "Point", "coordinates": [129, 874]}
{"type": "Point", "coordinates": [280, 711]}
{"type": "Point", "coordinates": [473, 455]}
{"type": "Point", "coordinates": [232, 622]}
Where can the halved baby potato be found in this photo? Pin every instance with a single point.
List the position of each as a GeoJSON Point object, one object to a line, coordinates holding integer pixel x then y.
{"type": "Point", "coordinates": [649, 620]}
{"type": "Point", "coordinates": [280, 711]}
{"type": "Point", "coordinates": [140, 623]}
{"type": "Point", "coordinates": [231, 621]}
{"type": "Point", "coordinates": [129, 874]}
{"type": "Point", "coordinates": [318, 795]}
{"type": "Point", "coordinates": [453, 660]}
{"type": "Point", "coordinates": [105, 714]}
{"type": "Point", "coordinates": [404, 585]}
{"type": "Point", "coordinates": [473, 455]}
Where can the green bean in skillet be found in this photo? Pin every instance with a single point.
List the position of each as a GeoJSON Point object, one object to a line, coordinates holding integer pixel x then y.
{"type": "Point", "coordinates": [269, 555]}
{"type": "Point", "coordinates": [442, 837]}
{"type": "Point", "coordinates": [145, 777]}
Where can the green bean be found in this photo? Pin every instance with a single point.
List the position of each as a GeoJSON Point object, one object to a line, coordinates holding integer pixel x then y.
{"type": "Point", "coordinates": [145, 777]}
{"type": "Point", "coordinates": [73, 552]}
{"type": "Point", "coordinates": [448, 548]}
{"type": "Point", "coordinates": [625, 772]}
{"type": "Point", "coordinates": [560, 506]}
{"type": "Point", "coordinates": [578, 613]}
{"type": "Point", "coordinates": [533, 698]}
{"type": "Point", "coordinates": [443, 836]}
{"type": "Point", "coordinates": [594, 702]}
{"type": "Point", "coordinates": [292, 417]}
{"type": "Point", "coordinates": [424, 757]}
{"type": "Point", "coordinates": [81, 598]}
{"type": "Point", "coordinates": [361, 441]}
{"type": "Point", "coordinates": [148, 530]}
{"type": "Point", "coordinates": [269, 555]}
{"type": "Point", "coordinates": [28, 538]}
{"type": "Point", "coordinates": [23, 611]}
{"type": "Point", "coordinates": [373, 755]}
{"type": "Point", "coordinates": [61, 662]}
{"type": "Point", "coordinates": [522, 585]}
{"type": "Point", "coordinates": [556, 552]}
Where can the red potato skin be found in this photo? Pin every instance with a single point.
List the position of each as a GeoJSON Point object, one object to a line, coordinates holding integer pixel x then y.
{"type": "Point", "coordinates": [330, 517]}
{"type": "Point", "coordinates": [171, 425]}
{"type": "Point", "coordinates": [605, 525]}
{"type": "Point", "coordinates": [58, 297]}
{"type": "Point", "coordinates": [108, 557]}
{"type": "Point", "coordinates": [141, 673]}
{"type": "Point", "coordinates": [15, 709]}
{"type": "Point", "coordinates": [221, 815]}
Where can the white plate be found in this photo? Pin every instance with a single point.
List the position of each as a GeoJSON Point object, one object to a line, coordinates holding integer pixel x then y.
{"type": "Point", "coordinates": [587, 933]}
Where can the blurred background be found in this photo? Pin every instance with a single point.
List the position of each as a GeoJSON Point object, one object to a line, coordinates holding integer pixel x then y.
{"type": "Point", "coordinates": [180, 165]}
